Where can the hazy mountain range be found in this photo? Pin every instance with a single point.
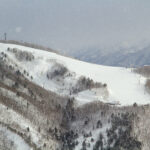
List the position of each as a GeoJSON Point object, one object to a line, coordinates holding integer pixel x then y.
{"type": "Point", "coordinates": [125, 57]}
{"type": "Point", "coordinates": [71, 25]}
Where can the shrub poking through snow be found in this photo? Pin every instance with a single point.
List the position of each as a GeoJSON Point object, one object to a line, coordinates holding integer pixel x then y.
{"type": "Point", "coordinates": [85, 83]}
{"type": "Point", "coordinates": [145, 71]}
{"type": "Point", "coordinates": [57, 70]}
{"type": "Point", "coordinates": [22, 55]}
{"type": "Point", "coordinates": [147, 85]}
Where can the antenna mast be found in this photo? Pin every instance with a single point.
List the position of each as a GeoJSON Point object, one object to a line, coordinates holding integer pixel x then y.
{"type": "Point", "coordinates": [5, 36]}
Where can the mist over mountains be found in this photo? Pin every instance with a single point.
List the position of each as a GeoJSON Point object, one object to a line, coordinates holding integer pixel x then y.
{"type": "Point", "coordinates": [69, 26]}
{"type": "Point", "coordinates": [132, 57]}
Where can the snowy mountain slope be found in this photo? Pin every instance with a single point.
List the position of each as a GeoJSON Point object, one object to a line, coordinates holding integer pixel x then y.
{"type": "Point", "coordinates": [27, 112]}
{"type": "Point", "coordinates": [122, 84]}
{"type": "Point", "coordinates": [41, 119]}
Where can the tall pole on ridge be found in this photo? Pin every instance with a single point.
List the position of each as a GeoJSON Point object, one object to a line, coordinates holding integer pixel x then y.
{"type": "Point", "coordinates": [5, 36]}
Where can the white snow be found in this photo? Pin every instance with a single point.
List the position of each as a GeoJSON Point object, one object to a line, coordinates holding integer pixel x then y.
{"type": "Point", "coordinates": [18, 141]}
{"type": "Point", "coordinates": [123, 85]}
{"type": "Point", "coordinates": [20, 121]}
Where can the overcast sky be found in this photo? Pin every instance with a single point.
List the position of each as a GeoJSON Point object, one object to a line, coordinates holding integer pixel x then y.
{"type": "Point", "coordinates": [77, 24]}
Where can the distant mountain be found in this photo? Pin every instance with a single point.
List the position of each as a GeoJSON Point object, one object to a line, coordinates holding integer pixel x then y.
{"type": "Point", "coordinates": [123, 58]}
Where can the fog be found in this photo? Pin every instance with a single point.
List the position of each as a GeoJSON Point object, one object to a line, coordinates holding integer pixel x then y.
{"type": "Point", "coordinates": [72, 25]}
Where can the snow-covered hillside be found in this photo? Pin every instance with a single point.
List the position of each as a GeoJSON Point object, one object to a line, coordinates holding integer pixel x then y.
{"type": "Point", "coordinates": [119, 85]}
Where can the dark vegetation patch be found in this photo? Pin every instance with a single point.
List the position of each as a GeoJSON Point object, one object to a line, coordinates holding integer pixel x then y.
{"type": "Point", "coordinates": [145, 71]}
{"type": "Point", "coordinates": [21, 55]}
{"type": "Point", "coordinates": [57, 70]}
{"type": "Point", "coordinates": [119, 135]}
{"type": "Point", "coordinates": [84, 83]}
{"type": "Point", "coordinates": [97, 115]}
{"type": "Point", "coordinates": [26, 44]}
{"type": "Point", "coordinates": [147, 85]}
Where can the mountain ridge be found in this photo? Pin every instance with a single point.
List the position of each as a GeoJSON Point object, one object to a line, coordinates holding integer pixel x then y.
{"type": "Point", "coordinates": [122, 58]}
{"type": "Point", "coordinates": [48, 101]}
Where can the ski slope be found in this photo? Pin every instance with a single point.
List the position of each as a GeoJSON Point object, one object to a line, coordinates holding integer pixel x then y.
{"type": "Point", "coordinates": [123, 85]}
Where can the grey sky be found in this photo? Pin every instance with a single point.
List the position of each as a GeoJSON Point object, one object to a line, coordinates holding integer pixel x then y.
{"type": "Point", "coordinates": [77, 24]}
